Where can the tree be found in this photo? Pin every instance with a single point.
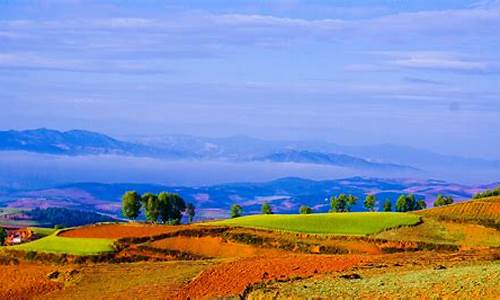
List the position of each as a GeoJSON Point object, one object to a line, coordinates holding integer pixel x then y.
{"type": "Point", "coordinates": [401, 204]}
{"type": "Point", "coordinates": [387, 205]}
{"type": "Point", "coordinates": [370, 202]}
{"type": "Point", "coordinates": [131, 205]}
{"type": "Point", "coordinates": [351, 201]}
{"type": "Point", "coordinates": [421, 204]}
{"type": "Point", "coordinates": [235, 211]}
{"type": "Point", "coordinates": [190, 211]}
{"type": "Point", "coordinates": [443, 200]}
{"type": "Point", "coordinates": [342, 203]}
{"type": "Point", "coordinates": [165, 207]}
{"type": "Point", "coordinates": [178, 207]}
{"type": "Point", "coordinates": [305, 210]}
{"type": "Point", "coordinates": [407, 203]}
{"type": "Point", "coordinates": [266, 209]}
{"type": "Point", "coordinates": [3, 235]}
{"type": "Point", "coordinates": [151, 207]}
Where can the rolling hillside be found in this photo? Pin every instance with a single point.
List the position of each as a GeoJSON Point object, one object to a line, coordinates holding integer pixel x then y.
{"type": "Point", "coordinates": [484, 211]}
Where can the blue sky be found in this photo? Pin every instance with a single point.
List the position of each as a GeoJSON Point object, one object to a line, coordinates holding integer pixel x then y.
{"type": "Point", "coordinates": [419, 73]}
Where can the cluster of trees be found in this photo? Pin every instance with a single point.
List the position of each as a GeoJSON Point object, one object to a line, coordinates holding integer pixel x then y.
{"type": "Point", "coordinates": [443, 200]}
{"type": "Point", "coordinates": [488, 193]}
{"type": "Point", "coordinates": [64, 217]}
{"type": "Point", "coordinates": [166, 208]}
{"type": "Point", "coordinates": [409, 203]}
{"type": "Point", "coordinates": [342, 203]}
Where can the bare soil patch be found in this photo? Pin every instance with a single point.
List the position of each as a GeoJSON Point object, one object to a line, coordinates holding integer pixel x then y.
{"type": "Point", "coordinates": [213, 247]}
{"type": "Point", "coordinates": [234, 277]}
{"type": "Point", "coordinates": [26, 280]}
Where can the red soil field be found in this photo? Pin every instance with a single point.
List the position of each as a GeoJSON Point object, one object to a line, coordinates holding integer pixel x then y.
{"type": "Point", "coordinates": [213, 247]}
{"type": "Point", "coordinates": [25, 281]}
{"type": "Point", "coordinates": [116, 231]}
{"type": "Point", "coordinates": [234, 277]}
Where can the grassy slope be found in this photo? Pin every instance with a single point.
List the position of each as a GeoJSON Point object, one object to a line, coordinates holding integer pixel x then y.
{"type": "Point", "coordinates": [42, 231]}
{"type": "Point", "coordinates": [326, 223]}
{"type": "Point", "coordinates": [76, 246]}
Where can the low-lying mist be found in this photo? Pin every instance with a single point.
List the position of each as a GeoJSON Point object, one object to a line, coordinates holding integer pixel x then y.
{"type": "Point", "coordinates": [30, 170]}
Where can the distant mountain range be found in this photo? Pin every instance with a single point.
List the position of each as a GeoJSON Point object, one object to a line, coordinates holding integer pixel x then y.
{"type": "Point", "coordinates": [285, 194]}
{"type": "Point", "coordinates": [74, 142]}
{"type": "Point", "coordinates": [237, 148]}
{"type": "Point", "coordinates": [341, 160]}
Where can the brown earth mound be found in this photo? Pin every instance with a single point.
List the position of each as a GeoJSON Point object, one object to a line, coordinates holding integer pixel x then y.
{"type": "Point", "coordinates": [117, 231]}
{"type": "Point", "coordinates": [234, 277]}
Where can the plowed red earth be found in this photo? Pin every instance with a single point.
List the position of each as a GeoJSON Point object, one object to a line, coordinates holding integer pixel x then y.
{"type": "Point", "coordinates": [234, 277]}
{"type": "Point", "coordinates": [213, 247]}
{"type": "Point", "coordinates": [25, 281]}
{"type": "Point", "coordinates": [116, 231]}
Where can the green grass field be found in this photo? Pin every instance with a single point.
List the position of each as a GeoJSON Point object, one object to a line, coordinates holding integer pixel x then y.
{"type": "Point", "coordinates": [75, 246]}
{"type": "Point", "coordinates": [42, 231]}
{"type": "Point", "coordinates": [362, 223]}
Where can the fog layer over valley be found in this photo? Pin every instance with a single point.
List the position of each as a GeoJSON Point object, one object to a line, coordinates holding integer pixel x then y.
{"type": "Point", "coordinates": [20, 169]}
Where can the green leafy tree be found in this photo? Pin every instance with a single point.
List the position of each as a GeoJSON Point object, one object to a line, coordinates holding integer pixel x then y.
{"type": "Point", "coordinates": [305, 210]}
{"type": "Point", "coordinates": [370, 202]}
{"type": "Point", "coordinates": [235, 211]}
{"type": "Point", "coordinates": [401, 204]}
{"type": "Point", "coordinates": [387, 205]}
{"type": "Point", "coordinates": [178, 207]}
{"type": "Point", "coordinates": [3, 235]}
{"type": "Point", "coordinates": [339, 203]}
{"type": "Point", "coordinates": [407, 203]}
{"type": "Point", "coordinates": [151, 207]}
{"type": "Point", "coordinates": [190, 211]}
{"type": "Point", "coordinates": [443, 200]}
{"type": "Point", "coordinates": [342, 203]}
{"type": "Point", "coordinates": [266, 208]}
{"type": "Point", "coordinates": [131, 205]}
{"type": "Point", "coordinates": [165, 207]}
{"type": "Point", "coordinates": [421, 204]}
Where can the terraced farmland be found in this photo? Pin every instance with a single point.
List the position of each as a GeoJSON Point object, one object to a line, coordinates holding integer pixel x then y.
{"type": "Point", "coordinates": [484, 211]}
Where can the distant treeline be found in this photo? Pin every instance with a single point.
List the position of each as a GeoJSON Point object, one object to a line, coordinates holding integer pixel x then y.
{"type": "Point", "coordinates": [488, 193]}
{"type": "Point", "coordinates": [65, 217]}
